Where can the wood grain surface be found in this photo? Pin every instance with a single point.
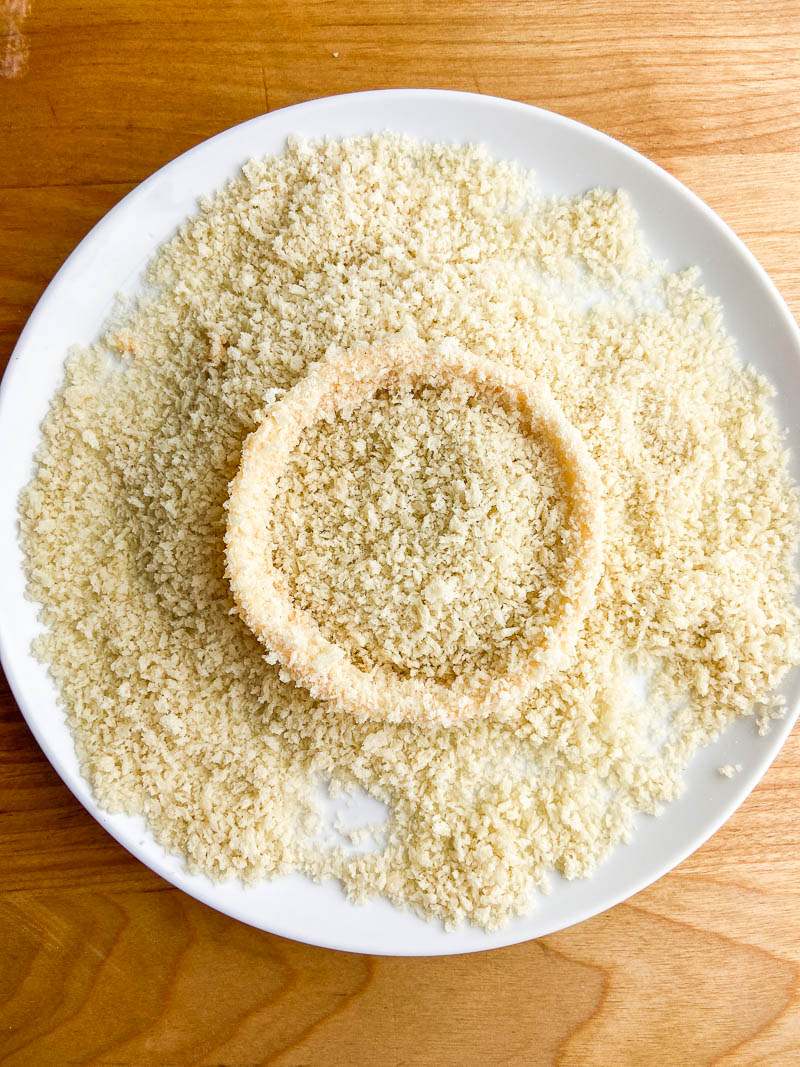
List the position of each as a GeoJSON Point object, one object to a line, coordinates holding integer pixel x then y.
{"type": "Point", "coordinates": [102, 962]}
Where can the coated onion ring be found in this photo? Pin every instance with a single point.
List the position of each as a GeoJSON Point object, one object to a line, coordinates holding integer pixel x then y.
{"type": "Point", "coordinates": [292, 637]}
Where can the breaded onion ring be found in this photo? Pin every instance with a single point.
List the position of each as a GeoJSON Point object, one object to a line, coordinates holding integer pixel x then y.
{"type": "Point", "coordinates": [293, 638]}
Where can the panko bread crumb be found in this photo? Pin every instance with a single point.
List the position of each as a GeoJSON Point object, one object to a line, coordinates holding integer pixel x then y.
{"type": "Point", "coordinates": [175, 712]}
{"type": "Point", "coordinates": [729, 770]}
{"type": "Point", "coordinates": [411, 497]}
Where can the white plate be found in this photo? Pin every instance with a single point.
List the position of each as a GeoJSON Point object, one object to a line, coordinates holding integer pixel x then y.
{"type": "Point", "coordinates": [567, 158]}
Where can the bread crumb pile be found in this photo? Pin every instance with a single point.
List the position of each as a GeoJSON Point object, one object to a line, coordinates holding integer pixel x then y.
{"type": "Point", "coordinates": [450, 524]}
{"type": "Point", "coordinates": [175, 711]}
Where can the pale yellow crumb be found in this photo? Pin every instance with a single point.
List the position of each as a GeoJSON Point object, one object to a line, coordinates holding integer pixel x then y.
{"type": "Point", "coordinates": [175, 712]}
{"type": "Point", "coordinates": [728, 770]}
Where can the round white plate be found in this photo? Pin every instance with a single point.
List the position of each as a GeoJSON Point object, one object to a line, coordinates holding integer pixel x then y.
{"type": "Point", "coordinates": [567, 158]}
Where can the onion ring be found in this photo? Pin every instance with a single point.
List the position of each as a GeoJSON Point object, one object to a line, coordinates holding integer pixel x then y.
{"type": "Point", "coordinates": [291, 636]}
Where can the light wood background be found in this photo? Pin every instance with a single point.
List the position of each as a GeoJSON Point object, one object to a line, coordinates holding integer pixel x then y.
{"type": "Point", "coordinates": [102, 962]}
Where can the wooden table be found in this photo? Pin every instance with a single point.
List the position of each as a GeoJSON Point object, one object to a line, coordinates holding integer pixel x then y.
{"type": "Point", "coordinates": [102, 962]}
